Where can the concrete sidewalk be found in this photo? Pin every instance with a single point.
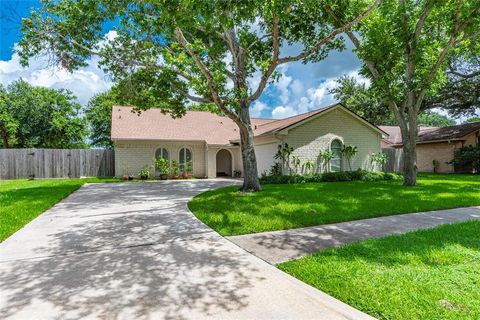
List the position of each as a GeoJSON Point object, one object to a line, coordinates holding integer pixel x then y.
{"type": "Point", "coordinates": [280, 246]}
{"type": "Point", "coordinates": [135, 251]}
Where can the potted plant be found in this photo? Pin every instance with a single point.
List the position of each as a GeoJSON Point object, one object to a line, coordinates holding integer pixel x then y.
{"type": "Point", "coordinates": [144, 173]}
{"type": "Point", "coordinates": [174, 171]}
{"type": "Point", "coordinates": [163, 166]}
{"type": "Point", "coordinates": [186, 171]}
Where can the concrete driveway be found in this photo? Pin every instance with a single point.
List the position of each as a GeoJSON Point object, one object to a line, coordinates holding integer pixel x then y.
{"type": "Point", "coordinates": [134, 251]}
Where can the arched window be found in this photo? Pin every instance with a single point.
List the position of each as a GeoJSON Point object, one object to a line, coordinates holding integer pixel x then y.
{"type": "Point", "coordinates": [336, 162]}
{"type": "Point", "coordinates": [162, 153]}
{"type": "Point", "coordinates": [185, 160]}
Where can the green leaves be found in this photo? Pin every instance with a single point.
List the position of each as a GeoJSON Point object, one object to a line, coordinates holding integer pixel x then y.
{"type": "Point", "coordinates": [35, 117]}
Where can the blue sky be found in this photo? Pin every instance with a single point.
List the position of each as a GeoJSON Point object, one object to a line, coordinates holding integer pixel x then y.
{"type": "Point", "coordinates": [300, 89]}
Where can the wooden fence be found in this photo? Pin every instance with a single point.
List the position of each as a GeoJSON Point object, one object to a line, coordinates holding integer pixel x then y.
{"type": "Point", "coordinates": [395, 160]}
{"type": "Point", "coordinates": [56, 163]}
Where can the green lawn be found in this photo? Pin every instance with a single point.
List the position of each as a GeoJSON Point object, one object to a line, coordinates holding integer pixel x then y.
{"type": "Point", "coordinates": [428, 274]}
{"type": "Point", "coordinates": [23, 200]}
{"type": "Point", "coordinates": [280, 207]}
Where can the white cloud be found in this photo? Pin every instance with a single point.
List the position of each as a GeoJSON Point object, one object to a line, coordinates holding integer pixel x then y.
{"type": "Point", "coordinates": [281, 112]}
{"type": "Point", "coordinates": [294, 99]}
{"type": "Point", "coordinates": [84, 82]}
{"type": "Point", "coordinates": [257, 108]}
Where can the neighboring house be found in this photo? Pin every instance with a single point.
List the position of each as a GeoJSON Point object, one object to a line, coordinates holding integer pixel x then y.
{"type": "Point", "coordinates": [435, 144]}
{"type": "Point", "coordinates": [210, 143]}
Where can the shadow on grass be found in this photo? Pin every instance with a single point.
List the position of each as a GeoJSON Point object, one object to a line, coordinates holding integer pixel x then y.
{"type": "Point", "coordinates": [291, 206]}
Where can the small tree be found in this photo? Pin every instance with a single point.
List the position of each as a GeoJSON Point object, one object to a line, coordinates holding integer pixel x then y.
{"type": "Point", "coordinates": [378, 160]}
{"type": "Point", "coordinates": [169, 54]}
{"type": "Point", "coordinates": [467, 158]}
{"type": "Point", "coordinates": [348, 153]}
{"type": "Point", "coordinates": [326, 157]}
{"type": "Point", "coordinates": [309, 166]}
{"type": "Point", "coordinates": [297, 163]}
{"type": "Point", "coordinates": [283, 154]}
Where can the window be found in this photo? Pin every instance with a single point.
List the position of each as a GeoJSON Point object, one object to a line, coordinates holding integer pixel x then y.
{"type": "Point", "coordinates": [185, 160]}
{"type": "Point", "coordinates": [336, 162]}
{"type": "Point", "coordinates": [162, 153]}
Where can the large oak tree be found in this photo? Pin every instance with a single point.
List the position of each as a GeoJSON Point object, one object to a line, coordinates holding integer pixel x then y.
{"type": "Point", "coordinates": [405, 47]}
{"type": "Point", "coordinates": [170, 53]}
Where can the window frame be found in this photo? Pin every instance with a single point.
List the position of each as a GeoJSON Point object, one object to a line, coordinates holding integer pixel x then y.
{"type": "Point", "coordinates": [340, 157]}
{"type": "Point", "coordinates": [181, 166]}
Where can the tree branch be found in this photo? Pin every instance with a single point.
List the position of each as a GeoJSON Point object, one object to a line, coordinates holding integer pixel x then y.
{"type": "Point", "coordinates": [331, 36]}
{"type": "Point", "coordinates": [464, 75]}
{"type": "Point", "coordinates": [273, 64]}
{"type": "Point", "coordinates": [206, 72]}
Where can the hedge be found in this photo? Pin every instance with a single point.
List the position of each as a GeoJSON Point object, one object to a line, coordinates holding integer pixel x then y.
{"type": "Point", "coordinates": [358, 175]}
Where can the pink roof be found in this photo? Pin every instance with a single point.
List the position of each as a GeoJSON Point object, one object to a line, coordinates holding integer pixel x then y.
{"type": "Point", "coordinates": [395, 136]}
{"type": "Point", "coordinates": [152, 124]}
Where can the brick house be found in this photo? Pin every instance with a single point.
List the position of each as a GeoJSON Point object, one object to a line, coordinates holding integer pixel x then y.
{"type": "Point", "coordinates": [209, 143]}
{"type": "Point", "coordinates": [435, 143]}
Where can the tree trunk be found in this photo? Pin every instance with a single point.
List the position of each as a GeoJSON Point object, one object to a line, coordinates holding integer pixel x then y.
{"type": "Point", "coordinates": [409, 138]}
{"type": "Point", "coordinates": [5, 140]}
{"type": "Point", "coordinates": [250, 173]}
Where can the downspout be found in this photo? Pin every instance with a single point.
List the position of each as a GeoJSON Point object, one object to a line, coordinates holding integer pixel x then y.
{"type": "Point", "coordinates": [206, 160]}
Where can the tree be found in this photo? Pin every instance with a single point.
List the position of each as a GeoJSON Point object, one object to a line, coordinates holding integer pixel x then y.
{"type": "Point", "coordinates": [167, 54]}
{"type": "Point", "coordinates": [349, 152]}
{"type": "Point", "coordinates": [460, 96]}
{"type": "Point", "coordinates": [99, 116]}
{"type": "Point", "coordinates": [433, 119]}
{"type": "Point", "coordinates": [405, 47]}
{"type": "Point", "coordinates": [361, 99]}
{"type": "Point", "coordinates": [368, 103]}
{"type": "Point", "coordinates": [36, 117]}
{"type": "Point", "coordinates": [8, 124]}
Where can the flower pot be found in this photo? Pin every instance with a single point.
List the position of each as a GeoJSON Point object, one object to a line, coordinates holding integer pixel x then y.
{"type": "Point", "coordinates": [163, 176]}
{"type": "Point", "coordinates": [185, 175]}
{"type": "Point", "coordinates": [125, 177]}
{"type": "Point", "coordinates": [175, 177]}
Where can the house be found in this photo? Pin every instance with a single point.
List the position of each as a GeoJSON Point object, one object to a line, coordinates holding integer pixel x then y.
{"type": "Point", "coordinates": [434, 143]}
{"type": "Point", "coordinates": [209, 145]}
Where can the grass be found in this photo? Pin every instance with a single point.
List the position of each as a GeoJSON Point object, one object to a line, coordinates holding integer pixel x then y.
{"type": "Point", "coordinates": [280, 207]}
{"type": "Point", "coordinates": [428, 274]}
{"type": "Point", "coordinates": [23, 200]}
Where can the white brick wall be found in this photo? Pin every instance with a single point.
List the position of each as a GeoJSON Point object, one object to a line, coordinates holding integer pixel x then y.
{"type": "Point", "coordinates": [309, 138]}
{"type": "Point", "coordinates": [134, 155]}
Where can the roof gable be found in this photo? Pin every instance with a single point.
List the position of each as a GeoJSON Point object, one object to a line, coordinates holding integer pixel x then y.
{"type": "Point", "coordinates": [321, 112]}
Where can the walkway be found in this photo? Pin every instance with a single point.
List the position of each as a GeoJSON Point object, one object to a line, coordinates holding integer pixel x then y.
{"type": "Point", "coordinates": [280, 246]}
{"type": "Point", "coordinates": [134, 251]}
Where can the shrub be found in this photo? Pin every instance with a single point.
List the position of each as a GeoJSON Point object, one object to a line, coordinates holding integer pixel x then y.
{"type": "Point", "coordinates": [357, 175]}
{"type": "Point", "coordinates": [237, 173]}
{"type": "Point", "coordinates": [467, 158]}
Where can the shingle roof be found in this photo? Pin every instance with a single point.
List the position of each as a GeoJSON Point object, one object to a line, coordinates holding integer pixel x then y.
{"type": "Point", "coordinates": [433, 134]}
{"type": "Point", "coordinates": [152, 124]}
{"type": "Point", "coordinates": [277, 125]}
{"type": "Point", "coordinates": [449, 133]}
{"type": "Point", "coordinates": [395, 136]}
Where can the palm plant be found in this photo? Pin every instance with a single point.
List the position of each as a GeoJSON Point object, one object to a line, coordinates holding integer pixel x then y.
{"type": "Point", "coordinates": [326, 156]}
{"type": "Point", "coordinates": [296, 163]}
{"type": "Point", "coordinates": [348, 153]}
{"type": "Point", "coordinates": [283, 154]}
{"type": "Point", "coordinates": [309, 165]}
